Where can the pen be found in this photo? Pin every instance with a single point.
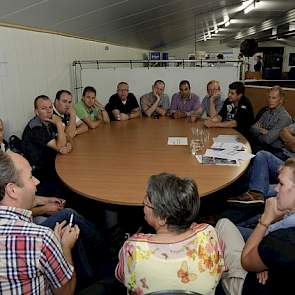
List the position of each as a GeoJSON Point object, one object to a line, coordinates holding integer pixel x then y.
{"type": "Point", "coordinates": [71, 220]}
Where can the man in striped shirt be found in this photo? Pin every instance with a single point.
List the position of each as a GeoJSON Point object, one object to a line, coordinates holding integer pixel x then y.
{"type": "Point", "coordinates": [33, 259]}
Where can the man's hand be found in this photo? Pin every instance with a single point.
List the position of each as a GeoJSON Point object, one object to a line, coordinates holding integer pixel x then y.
{"type": "Point", "coordinates": [178, 115]}
{"type": "Point", "coordinates": [124, 117]}
{"type": "Point", "coordinates": [52, 208]}
{"type": "Point", "coordinates": [271, 212]}
{"type": "Point", "coordinates": [156, 94]}
{"type": "Point", "coordinates": [69, 236]}
{"type": "Point", "coordinates": [55, 120]}
{"type": "Point", "coordinates": [66, 149]}
{"type": "Point", "coordinates": [216, 94]}
{"type": "Point", "coordinates": [262, 277]}
{"type": "Point", "coordinates": [66, 235]}
{"type": "Point", "coordinates": [71, 111]}
{"type": "Point", "coordinates": [209, 123]}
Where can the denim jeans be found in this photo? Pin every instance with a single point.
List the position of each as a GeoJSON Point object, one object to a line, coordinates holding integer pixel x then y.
{"type": "Point", "coordinates": [90, 249]}
{"type": "Point", "coordinates": [264, 172]}
{"type": "Point", "coordinates": [246, 228]}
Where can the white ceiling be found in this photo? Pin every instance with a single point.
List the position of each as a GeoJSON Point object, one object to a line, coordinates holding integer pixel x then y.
{"type": "Point", "coordinates": [149, 24]}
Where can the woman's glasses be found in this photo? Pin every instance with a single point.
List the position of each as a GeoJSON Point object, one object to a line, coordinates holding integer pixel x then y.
{"type": "Point", "coordinates": [147, 203]}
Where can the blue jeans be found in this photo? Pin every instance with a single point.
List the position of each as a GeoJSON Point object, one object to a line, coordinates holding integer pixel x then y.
{"type": "Point", "coordinates": [246, 228]}
{"type": "Point", "coordinates": [264, 172]}
{"type": "Point", "coordinates": [90, 249]}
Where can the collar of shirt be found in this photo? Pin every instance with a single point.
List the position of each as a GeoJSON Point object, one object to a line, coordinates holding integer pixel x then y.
{"type": "Point", "coordinates": [187, 98]}
{"type": "Point", "coordinates": [57, 113]}
{"type": "Point", "coordinates": [15, 213]}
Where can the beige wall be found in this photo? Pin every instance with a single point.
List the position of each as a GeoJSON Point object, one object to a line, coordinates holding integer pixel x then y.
{"type": "Point", "coordinates": [33, 63]}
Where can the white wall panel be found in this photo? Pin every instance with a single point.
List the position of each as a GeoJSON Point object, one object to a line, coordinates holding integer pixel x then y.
{"type": "Point", "coordinates": [40, 63]}
{"type": "Point", "coordinates": [140, 80]}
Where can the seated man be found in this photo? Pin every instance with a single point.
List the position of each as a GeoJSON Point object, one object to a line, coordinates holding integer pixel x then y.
{"type": "Point", "coordinates": [123, 105]}
{"type": "Point", "coordinates": [184, 103]}
{"type": "Point", "coordinates": [42, 139]}
{"type": "Point", "coordinates": [264, 170]}
{"type": "Point", "coordinates": [268, 254]}
{"type": "Point", "coordinates": [156, 102]}
{"type": "Point", "coordinates": [43, 257]}
{"type": "Point", "coordinates": [63, 108]}
{"type": "Point", "coordinates": [236, 112]}
{"type": "Point", "coordinates": [89, 110]}
{"type": "Point", "coordinates": [213, 101]}
{"type": "Point", "coordinates": [264, 134]}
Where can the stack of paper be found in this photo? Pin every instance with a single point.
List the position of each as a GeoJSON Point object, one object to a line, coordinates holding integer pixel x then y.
{"type": "Point", "coordinates": [226, 150]}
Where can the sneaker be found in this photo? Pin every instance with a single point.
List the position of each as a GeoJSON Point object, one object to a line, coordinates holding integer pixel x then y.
{"type": "Point", "coordinates": [248, 198]}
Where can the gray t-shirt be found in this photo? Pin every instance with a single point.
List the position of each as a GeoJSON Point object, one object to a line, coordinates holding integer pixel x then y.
{"type": "Point", "coordinates": [147, 100]}
{"type": "Point", "coordinates": [206, 104]}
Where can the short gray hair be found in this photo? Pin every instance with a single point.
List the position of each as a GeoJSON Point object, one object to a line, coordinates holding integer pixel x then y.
{"type": "Point", "coordinates": [174, 199]}
{"type": "Point", "coordinates": [279, 90]}
{"type": "Point", "coordinates": [8, 173]}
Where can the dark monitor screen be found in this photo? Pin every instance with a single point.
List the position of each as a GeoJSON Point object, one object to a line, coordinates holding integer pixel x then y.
{"type": "Point", "coordinates": [292, 59]}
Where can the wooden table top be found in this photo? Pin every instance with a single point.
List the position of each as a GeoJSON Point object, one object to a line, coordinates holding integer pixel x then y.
{"type": "Point", "coordinates": [112, 163]}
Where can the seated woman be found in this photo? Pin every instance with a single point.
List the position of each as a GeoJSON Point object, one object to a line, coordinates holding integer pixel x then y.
{"type": "Point", "coordinates": [181, 255]}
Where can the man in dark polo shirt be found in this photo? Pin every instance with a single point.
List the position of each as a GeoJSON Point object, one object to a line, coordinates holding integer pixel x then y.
{"type": "Point", "coordinates": [42, 139]}
{"type": "Point", "coordinates": [63, 108]}
{"type": "Point", "coordinates": [123, 105]}
{"type": "Point", "coordinates": [236, 112]}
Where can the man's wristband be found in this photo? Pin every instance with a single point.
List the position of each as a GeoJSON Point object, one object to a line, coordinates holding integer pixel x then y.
{"type": "Point", "coordinates": [263, 224]}
{"type": "Point", "coordinates": [129, 116]}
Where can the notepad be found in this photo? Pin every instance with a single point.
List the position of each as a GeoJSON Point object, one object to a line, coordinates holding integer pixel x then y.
{"type": "Point", "coordinates": [177, 141]}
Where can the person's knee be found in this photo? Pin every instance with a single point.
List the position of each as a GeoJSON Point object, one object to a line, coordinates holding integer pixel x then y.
{"type": "Point", "coordinates": [222, 223]}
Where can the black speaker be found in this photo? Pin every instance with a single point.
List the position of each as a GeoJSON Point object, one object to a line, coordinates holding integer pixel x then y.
{"type": "Point", "coordinates": [249, 47]}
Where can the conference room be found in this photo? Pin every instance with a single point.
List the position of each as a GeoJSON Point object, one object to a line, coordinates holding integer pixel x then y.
{"type": "Point", "coordinates": [105, 171]}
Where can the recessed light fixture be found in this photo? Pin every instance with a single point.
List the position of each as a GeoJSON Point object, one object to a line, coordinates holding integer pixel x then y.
{"type": "Point", "coordinates": [226, 24]}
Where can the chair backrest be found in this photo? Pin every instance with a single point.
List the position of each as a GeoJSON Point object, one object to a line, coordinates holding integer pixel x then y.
{"type": "Point", "coordinates": [173, 292]}
{"type": "Point", "coordinates": [15, 144]}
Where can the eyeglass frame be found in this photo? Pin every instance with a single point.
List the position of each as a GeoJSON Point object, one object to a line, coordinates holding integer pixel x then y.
{"type": "Point", "coordinates": [144, 202]}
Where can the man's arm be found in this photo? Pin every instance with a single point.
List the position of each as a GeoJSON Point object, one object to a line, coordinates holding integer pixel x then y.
{"type": "Point", "coordinates": [68, 237]}
{"type": "Point", "coordinates": [213, 100]}
{"type": "Point", "coordinates": [70, 129]}
{"type": "Point", "coordinates": [82, 128]}
{"type": "Point", "coordinates": [147, 108]}
{"type": "Point", "coordinates": [91, 124]}
{"type": "Point", "coordinates": [134, 113]}
{"type": "Point", "coordinates": [251, 260]}
{"type": "Point", "coordinates": [216, 122]}
{"type": "Point", "coordinates": [47, 205]}
{"type": "Point", "coordinates": [61, 139]}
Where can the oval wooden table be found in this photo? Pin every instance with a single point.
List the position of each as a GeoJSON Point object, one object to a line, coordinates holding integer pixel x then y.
{"type": "Point", "coordinates": [112, 163]}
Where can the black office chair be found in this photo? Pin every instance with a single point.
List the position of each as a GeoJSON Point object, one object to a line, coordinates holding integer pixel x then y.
{"type": "Point", "coordinates": [173, 292]}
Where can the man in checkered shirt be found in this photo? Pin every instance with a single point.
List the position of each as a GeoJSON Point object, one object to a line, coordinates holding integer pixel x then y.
{"type": "Point", "coordinates": [33, 258]}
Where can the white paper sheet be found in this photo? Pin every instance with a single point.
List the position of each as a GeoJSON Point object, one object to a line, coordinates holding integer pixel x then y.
{"type": "Point", "coordinates": [177, 141]}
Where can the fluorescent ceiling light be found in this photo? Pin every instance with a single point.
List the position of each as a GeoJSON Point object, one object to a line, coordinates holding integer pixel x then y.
{"type": "Point", "coordinates": [245, 4]}
{"type": "Point", "coordinates": [227, 23]}
{"type": "Point", "coordinates": [249, 8]}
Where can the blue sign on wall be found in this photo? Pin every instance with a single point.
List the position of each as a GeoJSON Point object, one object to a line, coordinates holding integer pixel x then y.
{"type": "Point", "coordinates": [155, 55]}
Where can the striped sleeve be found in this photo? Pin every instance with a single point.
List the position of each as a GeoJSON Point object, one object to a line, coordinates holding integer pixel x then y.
{"type": "Point", "coordinates": [56, 269]}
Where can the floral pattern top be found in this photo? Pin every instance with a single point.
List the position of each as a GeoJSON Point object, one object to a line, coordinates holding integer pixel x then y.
{"type": "Point", "coordinates": [195, 263]}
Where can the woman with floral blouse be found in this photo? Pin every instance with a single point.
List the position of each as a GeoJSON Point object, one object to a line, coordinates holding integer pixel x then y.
{"type": "Point", "coordinates": [181, 255]}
